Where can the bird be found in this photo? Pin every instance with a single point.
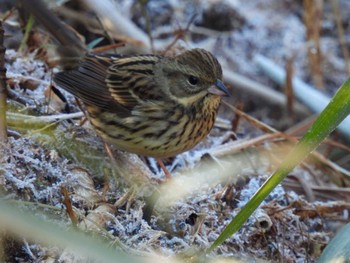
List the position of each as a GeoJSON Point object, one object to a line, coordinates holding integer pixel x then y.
{"type": "Point", "coordinates": [151, 105]}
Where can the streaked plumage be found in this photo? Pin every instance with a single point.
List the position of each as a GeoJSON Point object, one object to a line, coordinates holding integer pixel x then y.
{"type": "Point", "coordinates": [148, 104]}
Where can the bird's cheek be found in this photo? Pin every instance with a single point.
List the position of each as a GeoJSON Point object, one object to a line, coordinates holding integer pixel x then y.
{"type": "Point", "coordinates": [178, 90]}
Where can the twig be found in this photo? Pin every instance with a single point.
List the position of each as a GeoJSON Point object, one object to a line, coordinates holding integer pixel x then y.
{"type": "Point", "coordinates": [289, 86]}
{"type": "Point", "coordinates": [3, 95]}
{"type": "Point", "coordinates": [320, 192]}
{"type": "Point", "coordinates": [233, 147]}
{"type": "Point", "coordinates": [8, 14]}
{"type": "Point", "coordinates": [236, 120]}
{"type": "Point", "coordinates": [69, 208]}
{"type": "Point", "coordinates": [301, 127]}
{"type": "Point", "coordinates": [261, 91]}
{"type": "Point", "coordinates": [312, 20]}
{"type": "Point", "coordinates": [108, 47]}
{"type": "Point", "coordinates": [305, 186]}
{"type": "Point", "coordinates": [29, 119]}
{"type": "Point", "coordinates": [341, 35]}
{"type": "Point", "coordinates": [259, 124]}
{"type": "Point", "coordinates": [180, 34]}
{"type": "Point", "coordinates": [238, 146]}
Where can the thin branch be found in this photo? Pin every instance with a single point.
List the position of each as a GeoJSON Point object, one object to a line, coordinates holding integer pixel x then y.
{"type": "Point", "coordinates": [341, 34]}
{"type": "Point", "coordinates": [312, 20]}
{"type": "Point", "coordinates": [29, 119]}
{"type": "Point", "coordinates": [3, 95]}
{"type": "Point", "coordinates": [244, 84]}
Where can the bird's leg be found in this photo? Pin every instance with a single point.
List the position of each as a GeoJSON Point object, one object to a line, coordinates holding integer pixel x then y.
{"type": "Point", "coordinates": [109, 152]}
{"type": "Point", "coordinates": [165, 170]}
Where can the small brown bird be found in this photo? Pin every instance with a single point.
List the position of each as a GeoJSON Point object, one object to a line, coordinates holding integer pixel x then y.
{"type": "Point", "coordinates": [147, 104]}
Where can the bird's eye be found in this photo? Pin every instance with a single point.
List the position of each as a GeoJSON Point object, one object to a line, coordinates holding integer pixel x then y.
{"type": "Point", "coordinates": [193, 80]}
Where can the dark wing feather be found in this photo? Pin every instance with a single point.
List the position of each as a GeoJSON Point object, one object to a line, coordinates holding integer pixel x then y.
{"type": "Point", "coordinates": [130, 80]}
{"type": "Point", "coordinates": [110, 82]}
{"type": "Point", "coordinates": [88, 83]}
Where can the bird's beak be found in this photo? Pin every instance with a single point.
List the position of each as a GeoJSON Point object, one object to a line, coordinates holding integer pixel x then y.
{"type": "Point", "coordinates": [219, 89]}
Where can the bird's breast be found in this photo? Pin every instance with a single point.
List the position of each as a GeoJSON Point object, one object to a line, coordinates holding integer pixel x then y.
{"type": "Point", "coordinates": [157, 132]}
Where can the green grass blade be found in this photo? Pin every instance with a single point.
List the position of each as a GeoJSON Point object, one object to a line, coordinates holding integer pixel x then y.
{"type": "Point", "coordinates": [29, 27]}
{"type": "Point", "coordinates": [335, 112]}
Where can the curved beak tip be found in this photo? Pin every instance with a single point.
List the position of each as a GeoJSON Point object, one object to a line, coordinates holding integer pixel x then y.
{"type": "Point", "coordinates": [219, 89]}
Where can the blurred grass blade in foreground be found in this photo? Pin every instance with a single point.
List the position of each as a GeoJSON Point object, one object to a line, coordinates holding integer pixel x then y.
{"type": "Point", "coordinates": [338, 250]}
{"type": "Point", "coordinates": [25, 225]}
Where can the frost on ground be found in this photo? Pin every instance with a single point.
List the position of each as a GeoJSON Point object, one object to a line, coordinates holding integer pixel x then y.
{"type": "Point", "coordinates": [206, 191]}
{"type": "Point", "coordinates": [36, 174]}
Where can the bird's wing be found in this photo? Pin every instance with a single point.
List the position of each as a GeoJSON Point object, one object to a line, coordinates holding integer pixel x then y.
{"type": "Point", "coordinates": [130, 80]}
{"type": "Point", "coordinates": [111, 82]}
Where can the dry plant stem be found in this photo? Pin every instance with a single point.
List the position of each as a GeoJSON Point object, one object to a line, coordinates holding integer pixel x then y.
{"type": "Point", "coordinates": [198, 225]}
{"type": "Point", "coordinates": [321, 158]}
{"type": "Point", "coordinates": [110, 155]}
{"type": "Point", "coordinates": [329, 193]}
{"type": "Point", "coordinates": [237, 146]}
{"type": "Point", "coordinates": [302, 126]}
{"type": "Point", "coordinates": [339, 145]}
{"type": "Point", "coordinates": [236, 120]}
{"type": "Point", "coordinates": [260, 91]}
{"type": "Point", "coordinates": [260, 125]}
{"type": "Point", "coordinates": [319, 209]}
{"type": "Point", "coordinates": [180, 34]}
{"type": "Point", "coordinates": [108, 47]}
{"type": "Point", "coordinates": [105, 189]}
{"type": "Point", "coordinates": [306, 187]}
{"type": "Point", "coordinates": [3, 94]}
{"type": "Point", "coordinates": [125, 198]}
{"type": "Point", "coordinates": [230, 148]}
{"type": "Point", "coordinates": [289, 86]}
{"type": "Point", "coordinates": [327, 210]}
{"type": "Point", "coordinates": [69, 209]}
{"type": "Point", "coordinates": [312, 20]}
{"type": "Point", "coordinates": [341, 34]}
{"type": "Point", "coordinates": [8, 14]}
{"type": "Point", "coordinates": [28, 119]}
